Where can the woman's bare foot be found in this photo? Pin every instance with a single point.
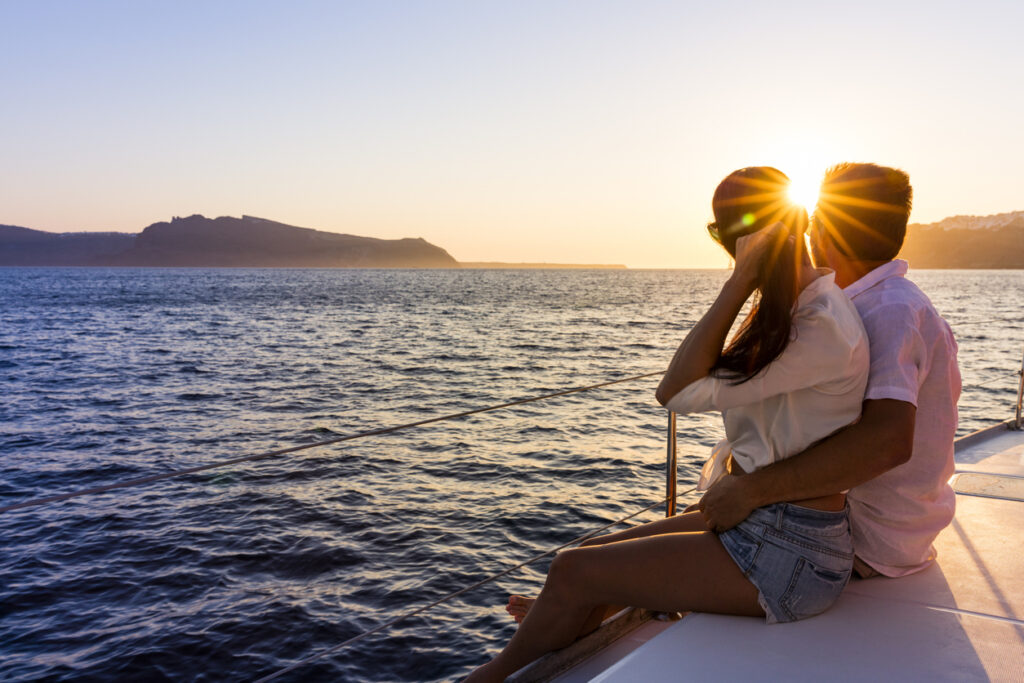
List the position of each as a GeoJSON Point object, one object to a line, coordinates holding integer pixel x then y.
{"type": "Point", "coordinates": [518, 606]}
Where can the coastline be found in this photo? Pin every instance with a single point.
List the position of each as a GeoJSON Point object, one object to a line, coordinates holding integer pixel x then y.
{"type": "Point", "coordinates": [501, 265]}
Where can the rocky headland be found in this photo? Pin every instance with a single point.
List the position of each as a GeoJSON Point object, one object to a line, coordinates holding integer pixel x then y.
{"type": "Point", "coordinates": [197, 241]}
{"type": "Point", "coordinates": [995, 241]}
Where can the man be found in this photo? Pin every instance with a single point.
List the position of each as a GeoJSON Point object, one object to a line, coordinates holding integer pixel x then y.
{"type": "Point", "coordinates": [898, 458]}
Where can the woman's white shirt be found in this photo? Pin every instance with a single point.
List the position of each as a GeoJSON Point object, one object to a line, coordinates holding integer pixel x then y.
{"type": "Point", "coordinates": [814, 388]}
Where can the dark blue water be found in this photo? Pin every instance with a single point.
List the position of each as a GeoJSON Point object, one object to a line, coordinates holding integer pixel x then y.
{"type": "Point", "coordinates": [237, 572]}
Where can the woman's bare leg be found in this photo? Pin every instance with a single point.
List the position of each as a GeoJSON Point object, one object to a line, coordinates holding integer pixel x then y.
{"type": "Point", "coordinates": [686, 521]}
{"type": "Point", "coordinates": [518, 605]}
{"type": "Point", "coordinates": [668, 572]}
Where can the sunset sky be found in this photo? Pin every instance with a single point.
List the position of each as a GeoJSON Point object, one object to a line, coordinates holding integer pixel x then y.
{"type": "Point", "coordinates": [581, 132]}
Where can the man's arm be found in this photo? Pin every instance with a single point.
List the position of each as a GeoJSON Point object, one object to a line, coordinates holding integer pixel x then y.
{"type": "Point", "coordinates": [881, 440]}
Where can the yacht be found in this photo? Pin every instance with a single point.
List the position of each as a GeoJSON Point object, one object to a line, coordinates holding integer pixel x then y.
{"type": "Point", "coordinates": [962, 619]}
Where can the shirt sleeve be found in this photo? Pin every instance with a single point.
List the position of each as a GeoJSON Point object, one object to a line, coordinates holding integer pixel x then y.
{"type": "Point", "coordinates": [820, 352]}
{"type": "Point", "coordinates": [898, 353]}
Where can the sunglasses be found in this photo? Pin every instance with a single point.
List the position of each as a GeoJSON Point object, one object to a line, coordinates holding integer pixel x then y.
{"type": "Point", "coordinates": [713, 231]}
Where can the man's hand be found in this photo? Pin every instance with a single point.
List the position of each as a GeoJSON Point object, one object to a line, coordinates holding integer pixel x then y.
{"type": "Point", "coordinates": [726, 504]}
{"type": "Point", "coordinates": [883, 439]}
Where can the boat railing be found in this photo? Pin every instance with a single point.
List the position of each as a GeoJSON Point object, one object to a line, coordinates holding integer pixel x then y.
{"type": "Point", "coordinates": [1020, 395]}
{"type": "Point", "coordinates": [671, 460]}
{"type": "Point", "coordinates": [451, 596]}
{"type": "Point", "coordinates": [253, 457]}
{"type": "Point", "coordinates": [670, 498]}
{"type": "Point", "coordinates": [670, 467]}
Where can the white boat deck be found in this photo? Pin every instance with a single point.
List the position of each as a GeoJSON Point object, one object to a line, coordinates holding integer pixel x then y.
{"type": "Point", "coordinates": [960, 620]}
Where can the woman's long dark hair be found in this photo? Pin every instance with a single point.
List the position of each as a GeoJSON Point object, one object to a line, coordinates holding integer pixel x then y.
{"type": "Point", "coordinates": [749, 200]}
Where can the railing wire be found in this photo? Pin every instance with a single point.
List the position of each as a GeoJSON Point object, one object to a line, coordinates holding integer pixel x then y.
{"type": "Point", "coordinates": [387, 430]}
{"type": "Point", "coordinates": [294, 449]}
{"type": "Point", "coordinates": [1001, 378]}
{"type": "Point", "coordinates": [985, 320]}
{"type": "Point", "coordinates": [455, 594]}
{"type": "Point", "coordinates": [327, 442]}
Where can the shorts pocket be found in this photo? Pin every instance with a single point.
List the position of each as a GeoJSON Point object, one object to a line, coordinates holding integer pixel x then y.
{"type": "Point", "coordinates": [742, 546]}
{"type": "Point", "coordinates": [810, 522]}
{"type": "Point", "coordinates": [842, 552]}
{"type": "Point", "coordinates": [831, 529]}
{"type": "Point", "coordinates": [812, 590]}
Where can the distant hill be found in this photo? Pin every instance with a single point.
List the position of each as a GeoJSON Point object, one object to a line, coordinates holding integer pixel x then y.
{"type": "Point", "coordinates": [256, 242]}
{"type": "Point", "coordinates": [501, 265]}
{"type": "Point", "coordinates": [967, 242]}
{"type": "Point", "coordinates": [218, 242]}
{"type": "Point", "coordinates": [958, 242]}
{"type": "Point", "coordinates": [25, 247]}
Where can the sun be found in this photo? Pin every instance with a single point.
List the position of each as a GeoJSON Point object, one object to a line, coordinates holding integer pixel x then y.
{"type": "Point", "coordinates": [803, 155]}
{"type": "Point", "coordinates": [803, 190]}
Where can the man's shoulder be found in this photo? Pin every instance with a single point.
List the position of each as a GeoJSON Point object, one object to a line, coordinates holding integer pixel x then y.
{"type": "Point", "coordinates": [896, 313]}
{"type": "Point", "coordinates": [896, 296]}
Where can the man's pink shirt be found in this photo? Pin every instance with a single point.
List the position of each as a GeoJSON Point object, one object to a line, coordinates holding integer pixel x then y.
{"type": "Point", "coordinates": [896, 516]}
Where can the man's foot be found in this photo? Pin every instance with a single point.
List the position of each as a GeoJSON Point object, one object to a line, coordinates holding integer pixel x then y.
{"type": "Point", "coordinates": [518, 606]}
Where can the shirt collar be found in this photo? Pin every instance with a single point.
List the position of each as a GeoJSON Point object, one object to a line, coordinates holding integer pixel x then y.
{"type": "Point", "coordinates": [894, 268]}
{"type": "Point", "coordinates": [828, 277]}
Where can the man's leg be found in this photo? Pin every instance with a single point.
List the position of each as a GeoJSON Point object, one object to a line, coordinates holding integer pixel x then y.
{"type": "Point", "coordinates": [863, 570]}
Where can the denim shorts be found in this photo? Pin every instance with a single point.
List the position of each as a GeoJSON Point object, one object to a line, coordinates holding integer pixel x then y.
{"type": "Point", "coordinates": [799, 559]}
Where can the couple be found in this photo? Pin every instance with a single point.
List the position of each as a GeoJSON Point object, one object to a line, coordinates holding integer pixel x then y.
{"type": "Point", "coordinates": [838, 394]}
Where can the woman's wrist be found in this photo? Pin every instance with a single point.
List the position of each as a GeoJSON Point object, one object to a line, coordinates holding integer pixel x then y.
{"type": "Point", "coordinates": [741, 283]}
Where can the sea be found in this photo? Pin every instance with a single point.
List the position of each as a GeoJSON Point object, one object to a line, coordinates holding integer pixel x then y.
{"type": "Point", "coordinates": [235, 573]}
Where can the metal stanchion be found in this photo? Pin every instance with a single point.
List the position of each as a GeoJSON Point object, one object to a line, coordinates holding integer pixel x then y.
{"type": "Point", "coordinates": [670, 469]}
{"type": "Point", "coordinates": [1020, 395]}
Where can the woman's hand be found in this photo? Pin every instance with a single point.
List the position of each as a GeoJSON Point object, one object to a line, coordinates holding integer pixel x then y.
{"type": "Point", "coordinates": [751, 250]}
{"type": "Point", "coordinates": [700, 350]}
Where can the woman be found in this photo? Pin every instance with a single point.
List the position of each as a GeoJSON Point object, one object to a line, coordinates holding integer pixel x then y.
{"type": "Point", "coordinates": [794, 373]}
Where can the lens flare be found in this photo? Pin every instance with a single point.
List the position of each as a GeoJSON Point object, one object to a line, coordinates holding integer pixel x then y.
{"type": "Point", "coordinates": [804, 191]}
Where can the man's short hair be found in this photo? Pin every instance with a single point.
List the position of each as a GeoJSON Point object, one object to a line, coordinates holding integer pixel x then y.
{"type": "Point", "coordinates": [864, 208]}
